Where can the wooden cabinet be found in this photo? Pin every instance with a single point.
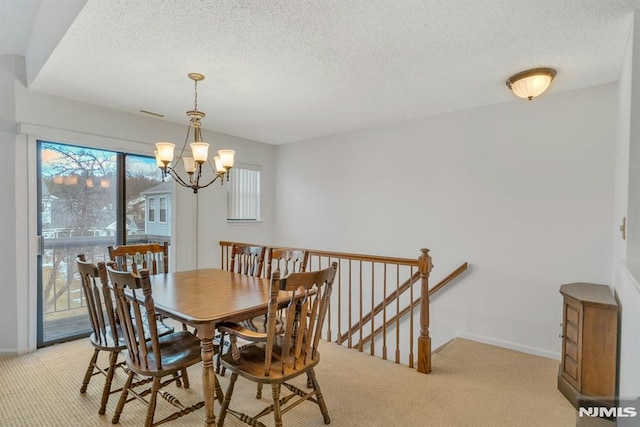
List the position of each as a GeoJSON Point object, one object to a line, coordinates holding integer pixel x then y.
{"type": "Point", "coordinates": [589, 342]}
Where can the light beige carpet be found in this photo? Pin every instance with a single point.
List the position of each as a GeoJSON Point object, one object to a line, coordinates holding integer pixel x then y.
{"type": "Point", "coordinates": [472, 384]}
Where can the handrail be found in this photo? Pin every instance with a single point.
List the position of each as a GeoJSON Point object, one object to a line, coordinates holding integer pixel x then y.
{"type": "Point", "coordinates": [345, 255]}
{"type": "Point", "coordinates": [455, 273]}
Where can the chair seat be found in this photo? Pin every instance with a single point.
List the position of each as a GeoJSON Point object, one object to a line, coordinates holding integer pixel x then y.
{"type": "Point", "coordinates": [178, 350]}
{"type": "Point", "coordinates": [163, 328]}
{"type": "Point", "coordinates": [106, 342]}
{"type": "Point", "coordinates": [259, 324]}
{"type": "Point", "coordinates": [251, 364]}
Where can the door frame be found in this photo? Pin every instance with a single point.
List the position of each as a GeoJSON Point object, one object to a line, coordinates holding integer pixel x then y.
{"type": "Point", "coordinates": [27, 213]}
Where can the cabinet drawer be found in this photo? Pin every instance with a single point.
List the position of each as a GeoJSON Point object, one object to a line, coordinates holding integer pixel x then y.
{"type": "Point", "coordinates": [570, 368]}
{"type": "Point", "coordinates": [573, 314]}
{"type": "Point", "coordinates": [571, 350]}
{"type": "Point", "coordinates": [571, 333]}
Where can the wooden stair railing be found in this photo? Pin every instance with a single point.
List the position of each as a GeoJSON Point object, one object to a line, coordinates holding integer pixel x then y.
{"type": "Point", "coordinates": [455, 273]}
{"type": "Point", "coordinates": [388, 300]}
{"type": "Point", "coordinates": [368, 290]}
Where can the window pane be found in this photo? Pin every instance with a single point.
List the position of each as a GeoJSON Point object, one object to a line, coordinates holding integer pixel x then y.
{"type": "Point", "coordinates": [151, 204]}
{"type": "Point", "coordinates": [163, 209]}
{"type": "Point", "coordinates": [143, 181]}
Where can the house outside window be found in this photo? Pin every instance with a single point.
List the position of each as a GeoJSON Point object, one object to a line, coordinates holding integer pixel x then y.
{"type": "Point", "coordinates": [151, 215]}
{"type": "Point", "coordinates": [243, 194]}
{"type": "Point", "coordinates": [158, 200]}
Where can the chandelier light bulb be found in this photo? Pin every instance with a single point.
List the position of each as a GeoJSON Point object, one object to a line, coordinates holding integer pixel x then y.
{"type": "Point", "coordinates": [165, 151]}
{"type": "Point", "coordinates": [226, 158]}
{"type": "Point", "coordinates": [200, 151]}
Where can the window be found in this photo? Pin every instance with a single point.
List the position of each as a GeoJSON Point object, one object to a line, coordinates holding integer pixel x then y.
{"type": "Point", "coordinates": [152, 209]}
{"type": "Point", "coordinates": [243, 196]}
{"type": "Point", "coordinates": [163, 209]}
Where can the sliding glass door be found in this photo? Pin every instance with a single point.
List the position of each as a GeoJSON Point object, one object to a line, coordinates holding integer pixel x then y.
{"type": "Point", "coordinates": [88, 199]}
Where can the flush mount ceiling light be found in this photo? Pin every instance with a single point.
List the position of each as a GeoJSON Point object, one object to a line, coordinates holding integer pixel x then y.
{"type": "Point", "coordinates": [531, 83]}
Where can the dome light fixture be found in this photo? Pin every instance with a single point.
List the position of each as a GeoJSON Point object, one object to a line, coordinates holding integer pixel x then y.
{"type": "Point", "coordinates": [531, 83]}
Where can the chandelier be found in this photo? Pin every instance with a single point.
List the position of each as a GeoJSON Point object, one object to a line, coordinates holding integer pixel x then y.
{"type": "Point", "coordinates": [194, 165]}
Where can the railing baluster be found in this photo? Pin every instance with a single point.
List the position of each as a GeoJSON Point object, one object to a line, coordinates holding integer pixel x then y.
{"type": "Point", "coordinates": [411, 325]}
{"type": "Point", "coordinates": [350, 342]}
{"type": "Point", "coordinates": [329, 313]}
{"type": "Point", "coordinates": [397, 317]}
{"type": "Point", "coordinates": [373, 294]}
{"type": "Point", "coordinates": [339, 298]}
{"type": "Point", "coordinates": [361, 309]}
{"type": "Point", "coordinates": [384, 314]}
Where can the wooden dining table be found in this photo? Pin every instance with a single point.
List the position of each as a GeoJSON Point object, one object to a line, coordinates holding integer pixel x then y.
{"type": "Point", "coordinates": [202, 299]}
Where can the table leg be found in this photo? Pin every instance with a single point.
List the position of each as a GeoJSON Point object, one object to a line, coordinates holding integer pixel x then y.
{"type": "Point", "coordinates": [206, 334]}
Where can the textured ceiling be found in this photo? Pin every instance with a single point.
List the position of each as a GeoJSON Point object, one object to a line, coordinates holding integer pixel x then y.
{"type": "Point", "coordinates": [280, 71]}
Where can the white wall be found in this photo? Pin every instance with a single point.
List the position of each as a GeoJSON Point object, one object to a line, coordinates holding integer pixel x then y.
{"type": "Point", "coordinates": [8, 313]}
{"type": "Point", "coordinates": [212, 223]}
{"type": "Point", "coordinates": [198, 226]}
{"type": "Point", "coordinates": [523, 191]}
{"type": "Point", "coordinates": [627, 203]}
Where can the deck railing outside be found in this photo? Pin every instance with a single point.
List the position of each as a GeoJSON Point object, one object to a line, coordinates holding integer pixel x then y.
{"type": "Point", "coordinates": [63, 302]}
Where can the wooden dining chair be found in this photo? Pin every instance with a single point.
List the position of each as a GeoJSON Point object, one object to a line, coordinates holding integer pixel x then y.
{"type": "Point", "coordinates": [153, 257]}
{"type": "Point", "coordinates": [247, 260]}
{"type": "Point", "coordinates": [287, 260]}
{"type": "Point", "coordinates": [106, 334]}
{"type": "Point", "coordinates": [281, 357]}
{"type": "Point", "coordinates": [154, 358]}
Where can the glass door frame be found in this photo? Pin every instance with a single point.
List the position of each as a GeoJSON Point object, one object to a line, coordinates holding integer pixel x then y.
{"type": "Point", "coordinates": [120, 232]}
{"type": "Point", "coordinates": [120, 237]}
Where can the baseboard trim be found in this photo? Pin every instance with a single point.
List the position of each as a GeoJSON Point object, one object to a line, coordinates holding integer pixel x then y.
{"type": "Point", "coordinates": [511, 345]}
{"type": "Point", "coordinates": [13, 351]}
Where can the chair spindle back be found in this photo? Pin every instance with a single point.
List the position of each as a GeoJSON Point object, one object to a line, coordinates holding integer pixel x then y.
{"type": "Point", "coordinates": [304, 316]}
{"type": "Point", "coordinates": [133, 313]}
{"type": "Point", "coordinates": [99, 301]}
{"type": "Point", "coordinates": [153, 257]}
{"type": "Point", "coordinates": [247, 260]}
{"type": "Point", "coordinates": [286, 260]}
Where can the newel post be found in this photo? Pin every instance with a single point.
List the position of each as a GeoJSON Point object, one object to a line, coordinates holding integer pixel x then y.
{"type": "Point", "coordinates": [424, 341]}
